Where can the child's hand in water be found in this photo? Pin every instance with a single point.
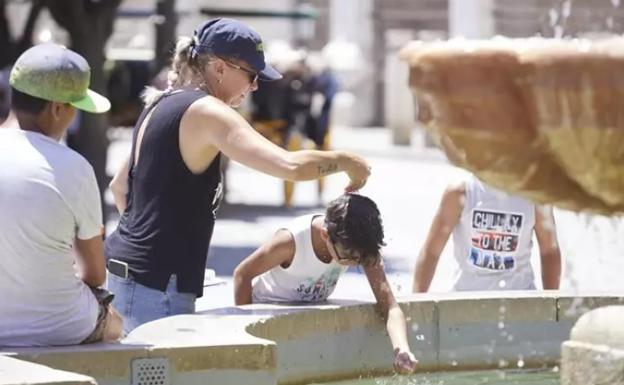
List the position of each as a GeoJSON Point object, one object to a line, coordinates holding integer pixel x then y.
{"type": "Point", "coordinates": [404, 361]}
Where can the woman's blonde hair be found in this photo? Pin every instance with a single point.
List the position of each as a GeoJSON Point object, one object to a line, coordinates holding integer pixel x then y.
{"type": "Point", "coordinates": [184, 69]}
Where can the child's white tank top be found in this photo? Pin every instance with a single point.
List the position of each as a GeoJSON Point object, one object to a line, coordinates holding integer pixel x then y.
{"type": "Point", "coordinates": [307, 279]}
{"type": "Point", "coordinates": [493, 240]}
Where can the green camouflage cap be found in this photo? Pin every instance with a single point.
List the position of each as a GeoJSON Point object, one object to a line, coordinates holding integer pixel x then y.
{"type": "Point", "coordinates": [52, 72]}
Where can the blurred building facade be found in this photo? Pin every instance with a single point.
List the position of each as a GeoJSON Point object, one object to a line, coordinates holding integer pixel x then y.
{"type": "Point", "coordinates": [359, 38]}
{"type": "Point", "coordinates": [565, 17]}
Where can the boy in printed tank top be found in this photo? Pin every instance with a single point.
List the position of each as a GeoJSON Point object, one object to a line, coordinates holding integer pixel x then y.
{"type": "Point", "coordinates": [302, 263]}
{"type": "Point", "coordinates": [492, 238]}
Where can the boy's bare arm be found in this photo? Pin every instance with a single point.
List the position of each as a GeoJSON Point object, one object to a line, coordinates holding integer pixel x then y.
{"type": "Point", "coordinates": [119, 187]}
{"type": "Point", "coordinates": [550, 255]}
{"type": "Point", "coordinates": [442, 226]}
{"type": "Point", "coordinates": [395, 319]}
{"type": "Point", "coordinates": [279, 250]}
{"type": "Point", "coordinates": [92, 262]}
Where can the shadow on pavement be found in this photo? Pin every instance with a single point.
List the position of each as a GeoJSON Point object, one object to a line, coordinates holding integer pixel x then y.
{"type": "Point", "coordinates": [251, 213]}
{"type": "Point", "coordinates": [224, 259]}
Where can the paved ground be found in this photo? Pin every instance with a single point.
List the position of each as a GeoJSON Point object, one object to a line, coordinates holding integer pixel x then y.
{"type": "Point", "coordinates": [406, 183]}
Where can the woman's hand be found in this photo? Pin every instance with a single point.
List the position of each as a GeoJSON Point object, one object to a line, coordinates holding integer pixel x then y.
{"type": "Point", "coordinates": [404, 361]}
{"type": "Point", "coordinates": [358, 171]}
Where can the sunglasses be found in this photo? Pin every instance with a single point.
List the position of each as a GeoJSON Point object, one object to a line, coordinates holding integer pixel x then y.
{"type": "Point", "coordinates": [340, 257]}
{"type": "Point", "coordinates": [251, 75]}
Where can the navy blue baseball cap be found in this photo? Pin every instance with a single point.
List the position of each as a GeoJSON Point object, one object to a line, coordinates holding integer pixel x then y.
{"type": "Point", "coordinates": [231, 38]}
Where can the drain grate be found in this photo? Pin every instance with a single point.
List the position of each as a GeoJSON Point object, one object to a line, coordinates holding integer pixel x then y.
{"type": "Point", "coordinates": [150, 371]}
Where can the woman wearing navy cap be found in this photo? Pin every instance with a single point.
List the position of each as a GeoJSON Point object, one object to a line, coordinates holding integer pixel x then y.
{"type": "Point", "coordinates": [170, 187]}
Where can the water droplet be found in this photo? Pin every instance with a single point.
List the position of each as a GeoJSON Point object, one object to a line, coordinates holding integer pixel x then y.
{"type": "Point", "coordinates": [502, 363]}
{"type": "Point", "coordinates": [555, 369]}
{"type": "Point", "coordinates": [510, 338]}
{"type": "Point", "coordinates": [566, 9]}
{"type": "Point", "coordinates": [415, 327]}
{"type": "Point", "coordinates": [454, 363]}
{"type": "Point", "coordinates": [610, 23]}
{"type": "Point", "coordinates": [553, 17]}
{"type": "Point", "coordinates": [520, 363]}
{"type": "Point", "coordinates": [501, 325]}
{"type": "Point", "coordinates": [420, 337]}
{"type": "Point", "coordinates": [502, 283]}
{"type": "Point", "coordinates": [502, 309]}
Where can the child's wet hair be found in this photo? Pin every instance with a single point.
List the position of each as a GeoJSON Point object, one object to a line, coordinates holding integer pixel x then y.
{"type": "Point", "coordinates": [353, 221]}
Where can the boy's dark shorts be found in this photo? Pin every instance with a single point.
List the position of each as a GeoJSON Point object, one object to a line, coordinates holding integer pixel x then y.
{"type": "Point", "coordinates": [104, 299]}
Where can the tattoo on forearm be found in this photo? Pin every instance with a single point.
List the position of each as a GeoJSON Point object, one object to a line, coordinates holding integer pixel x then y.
{"type": "Point", "coordinates": [329, 169]}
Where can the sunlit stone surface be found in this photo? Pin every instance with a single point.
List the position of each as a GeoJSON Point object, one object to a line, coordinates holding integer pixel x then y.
{"type": "Point", "coordinates": [595, 352]}
{"type": "Point", "coordinates": [540, 117]}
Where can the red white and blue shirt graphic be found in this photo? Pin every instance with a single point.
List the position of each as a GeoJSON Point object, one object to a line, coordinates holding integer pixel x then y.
{"type": "Point", "coordinates": [494, 239]}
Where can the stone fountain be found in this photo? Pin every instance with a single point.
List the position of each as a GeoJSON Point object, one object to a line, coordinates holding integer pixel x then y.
{"type": "Point", "coordinates": [542, 118]}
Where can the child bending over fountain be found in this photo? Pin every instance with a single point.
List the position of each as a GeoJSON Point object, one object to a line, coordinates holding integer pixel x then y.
{"type": "Point", "coordinates": [303, 261]}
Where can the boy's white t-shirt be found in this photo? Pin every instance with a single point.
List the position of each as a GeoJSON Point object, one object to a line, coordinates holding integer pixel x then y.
{"type": "Point", "coordinates": [48, 197]}
{"type": "Point", "coordinates": [493, 240]}
{"type": "Point", "coordinates": [307, 279]}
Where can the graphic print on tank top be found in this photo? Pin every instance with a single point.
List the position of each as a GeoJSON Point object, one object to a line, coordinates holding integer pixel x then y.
{"type": "Point", "coordinates": [494, 239]}
{"type": "Point", "coordinates": [218, 197]}
{"type": "Point", "coordinates": [318, 290]}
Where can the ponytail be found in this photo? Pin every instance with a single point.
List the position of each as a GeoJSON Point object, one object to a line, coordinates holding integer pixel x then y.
{"type": "Point", "coordinates": [180, 74]}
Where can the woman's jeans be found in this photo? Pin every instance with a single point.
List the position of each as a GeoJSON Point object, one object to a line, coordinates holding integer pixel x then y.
{"type": "Point", "coordinates": [139, 304]}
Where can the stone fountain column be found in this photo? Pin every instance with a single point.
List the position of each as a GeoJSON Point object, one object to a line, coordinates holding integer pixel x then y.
{"type": "Point", "coordinates": [594, 355]}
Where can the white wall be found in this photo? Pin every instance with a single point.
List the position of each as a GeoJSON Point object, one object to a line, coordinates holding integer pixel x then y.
{"type": "Point", "coordinates": [398, 104]}
{"type": "Point", "coordinates": [351, 23]}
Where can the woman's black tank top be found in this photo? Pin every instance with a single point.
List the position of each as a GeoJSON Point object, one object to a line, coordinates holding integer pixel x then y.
{"type": "Point", "coordinates": [168, 223]}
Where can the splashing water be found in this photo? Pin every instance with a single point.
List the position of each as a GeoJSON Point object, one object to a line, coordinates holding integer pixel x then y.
{"type": "Point", "coordinates": [491, 377]}
{"type": "Point", "coordinates": [520, 362]}
{"type": "Point", "coordinates": [610, 23]}
{"type": "Point", "coordinates": [592, 251]}
{"type": "Point", "coordinates": [558, 17]}
{"type": "Point", "coordinates": [553, 17]}
{"type": "Point", "coordinates": [566, 9]}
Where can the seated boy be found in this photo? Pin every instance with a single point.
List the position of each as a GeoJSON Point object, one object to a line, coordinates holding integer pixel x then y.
{"type": "Point", "coordinates": [302, 263]}
{"type": "Point", "coordinates": [49, 200]}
